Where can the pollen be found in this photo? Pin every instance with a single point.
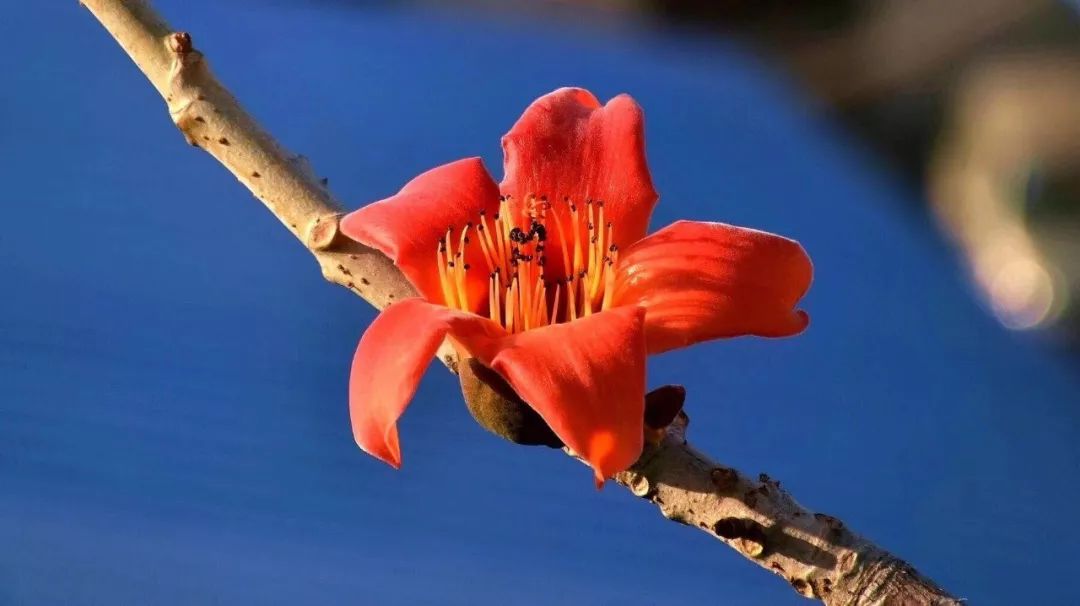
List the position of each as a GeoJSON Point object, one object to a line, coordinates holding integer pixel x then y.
{"type": "Point", "coordinates": [525, 288]}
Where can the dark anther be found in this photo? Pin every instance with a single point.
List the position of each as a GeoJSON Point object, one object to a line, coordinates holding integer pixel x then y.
{"type": "Point", "coordinates": [518, 235]}
{"type": "Point", "coordinates": [466, 240]}
{"type": "Point", "coordinates": [467, 266]}
{"type": "Point", "coordinates": [479, 228]}
{"type": "Point", "coordinates": [566, 198]}
{"type": "Point", "coordinates": [583, 274]}
{"type": "Point", "coordinates": [451, 264]}
{"type": "Point", "coordinates": [543, 198]}
{"type": "Point", "coordinates": [482, 212]}
{"type": "Point", "coordinates": [609, 224]}
{"type": "Point", "coordinates": [541, 261]}
{"type": "Point", "coordinates": [613, 248]}
{"type": "Point", "coordinates": [591, 240]}
{"type": "Point", "coordinates": [591, 226]}
{"type": "Point", "coordinates": [538, 230]}
{"type": "Point", "coordinates": [496, 216]}
{"type": "Point", "coordinates": [599, 202]}
{"type": "Point", "coordinates": [573, 208]}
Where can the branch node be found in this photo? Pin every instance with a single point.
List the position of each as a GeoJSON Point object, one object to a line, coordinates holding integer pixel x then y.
{"type": "Point", "coordinates": [803, 587]}
{"type": "Point", "coordinates": [745, 535]}
{"type": "Point", "coordinates": [724, 478]}
{"type": "Point", "coordinates": [322, 232]}
{"type": "Point", "coordinates": [640, 486]}
{"type": "Point", "coordinates": [179, 43]}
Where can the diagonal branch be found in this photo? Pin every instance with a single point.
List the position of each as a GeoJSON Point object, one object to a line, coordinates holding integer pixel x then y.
{"type": "Point", "coordinates": [816, 553]}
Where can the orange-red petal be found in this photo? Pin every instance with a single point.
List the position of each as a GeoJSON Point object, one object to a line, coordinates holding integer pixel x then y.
{"type": "Point", "coordinates": [408, 226]}
{"type": "Point", "coordinates": [392, 356]}
{"type": "Point", "coordinates": [701, 281]}
{"type": "Point", "coordinates": [567, 144]}
{"type": "Point", "coordinates": [586, 378]}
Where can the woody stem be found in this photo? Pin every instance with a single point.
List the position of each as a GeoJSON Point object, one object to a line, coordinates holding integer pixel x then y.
{"type": "Point", "coordinates": [817, 554]}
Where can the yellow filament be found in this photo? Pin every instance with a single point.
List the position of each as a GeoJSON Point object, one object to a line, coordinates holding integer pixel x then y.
{"type": "Point", "coordinates": [562, 243]}
{"type": "Point", "coordinates": [449, 298]}
{"type": "Point", "coordinates": [555, 306]}
{"type": "Point", "coordinates": [538, 305]}
{"type": "Point", "coordinates": [575, 225]}
{"type": "Point", "coordinates": [609, 286]}
{"type": "Point", "coordinates": [586, 305]}
{"type": "Point", "coordinates": [590, 235]}
{"type": "Point", "coordinates": [496, 293]}
{"type": "Point", "coordinates": [489, 258]}
{"type": "Point", "coordinates": [571, 300]}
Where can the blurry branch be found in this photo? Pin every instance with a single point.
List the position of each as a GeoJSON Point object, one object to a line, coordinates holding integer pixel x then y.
{"type": "Point", "coordinates": [899, 43]}
{"type": "Point", "coordinates": [1016, 118]}
{"type": "Point", "coordinates": [816, 553]}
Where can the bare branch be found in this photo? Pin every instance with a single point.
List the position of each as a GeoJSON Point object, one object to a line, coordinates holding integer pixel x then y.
{"type": "Point", "coordinates": [815, 553]}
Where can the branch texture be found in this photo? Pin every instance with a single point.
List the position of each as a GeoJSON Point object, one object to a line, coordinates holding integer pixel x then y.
{"type": "Point", "coordinates": [815, 553]}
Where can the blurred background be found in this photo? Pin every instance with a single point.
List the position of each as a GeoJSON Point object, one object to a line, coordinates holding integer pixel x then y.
{"type": "Point", "coordinates": [173, 422]}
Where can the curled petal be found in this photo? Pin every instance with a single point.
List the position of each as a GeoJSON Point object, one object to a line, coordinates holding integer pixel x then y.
{"type": "Point", "coordinates": [586, 378]}
{"type": "Point", "coordinates": [408, 226]}
{"type": "Point", "coordinates": [701, 281]}
{"type": "Point", "coordinates": [567, 144]}
{"type": "Point", "coordinates": [392, 356]}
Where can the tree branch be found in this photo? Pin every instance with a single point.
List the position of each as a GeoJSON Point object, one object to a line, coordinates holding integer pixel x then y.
{"type": "Point", "coordinates": [815, 553]}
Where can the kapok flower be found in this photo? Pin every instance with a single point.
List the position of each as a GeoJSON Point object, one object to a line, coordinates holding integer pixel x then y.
{"type": "Point", "coordinates": [550, 280]}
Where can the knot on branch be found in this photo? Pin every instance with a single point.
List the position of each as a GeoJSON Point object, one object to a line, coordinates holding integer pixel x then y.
{"type": "Point", "coordinates": [182, 94]}
{"type": "Point", "coordinates": [179, 43]}
{"type": "Point", "coordinates": [322, 232]}
{"type": "Point", "coordinates": [748, 536]}
{"type": "Point", "coordinates": [184, 54]}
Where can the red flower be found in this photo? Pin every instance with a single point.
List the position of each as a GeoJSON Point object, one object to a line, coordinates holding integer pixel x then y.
{"type": "Point", "coordinates": [550, 280]}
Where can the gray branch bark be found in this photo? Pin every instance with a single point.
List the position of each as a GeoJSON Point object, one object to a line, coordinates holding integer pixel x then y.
{"type": "Point", "coordinates": [815, 553]}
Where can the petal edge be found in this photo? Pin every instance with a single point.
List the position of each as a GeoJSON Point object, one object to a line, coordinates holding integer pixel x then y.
{"type": "Point", "coordinates": [700, 281]}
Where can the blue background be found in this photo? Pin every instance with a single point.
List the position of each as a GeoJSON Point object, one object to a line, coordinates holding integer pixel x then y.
{"type": "Point", "coordinates": [173, 420]}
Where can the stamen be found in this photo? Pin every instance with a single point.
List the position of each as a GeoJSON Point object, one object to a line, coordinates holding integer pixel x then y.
{"type": "Point", "coordinates": [575, 225]}
{"type": "Point", "coordinates": [513, 243]}
{"type": "Point", "coordinates": [609, 278]}
{"type": "Point", "coordinates": [538, 304]}
{"type": "Point", "coordinates": [583, 287]}
{"type": "Point", "coordinates": [571, 298]}
{"type": "Point", "coordinates": [497, 293]}
{"type": "Point", "coordinates": [562, 242]}
{"type": "Point", "coordinates": [555, 305]}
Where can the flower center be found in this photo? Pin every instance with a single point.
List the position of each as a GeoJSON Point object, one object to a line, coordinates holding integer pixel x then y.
{"type": "Point", "coordinates": [522, 291]}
